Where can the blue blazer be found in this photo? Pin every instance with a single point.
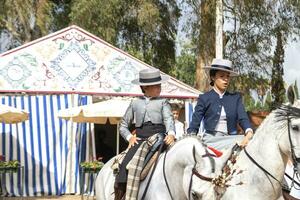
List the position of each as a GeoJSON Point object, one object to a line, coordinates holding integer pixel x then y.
{"type": "Point", "coordinates": [209, 107]}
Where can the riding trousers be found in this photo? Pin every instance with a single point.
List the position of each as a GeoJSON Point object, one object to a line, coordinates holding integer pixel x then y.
{"type": "Point", "coordinates": [221, 141]}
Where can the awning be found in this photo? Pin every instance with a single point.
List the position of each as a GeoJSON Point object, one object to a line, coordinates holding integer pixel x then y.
{"type": "Point", "coordinates": [10, 115]}
{"type": "Point", "coordinates": [98, 113]}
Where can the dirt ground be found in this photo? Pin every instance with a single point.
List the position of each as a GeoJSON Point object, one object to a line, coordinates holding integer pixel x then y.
{"type": "Point", "coordinates": [64, 197]}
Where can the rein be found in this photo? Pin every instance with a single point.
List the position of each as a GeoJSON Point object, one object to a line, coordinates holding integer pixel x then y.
{"type": "Point", "coordinates": [164, 173]}
{"type": "Point", "coordinates": [260, 167]}
{"type": "Point", "coordinates": [294, 157]}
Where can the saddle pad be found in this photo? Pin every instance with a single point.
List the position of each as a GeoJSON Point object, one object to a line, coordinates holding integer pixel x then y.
{"type": "Point", "coordinates": [148, 166]}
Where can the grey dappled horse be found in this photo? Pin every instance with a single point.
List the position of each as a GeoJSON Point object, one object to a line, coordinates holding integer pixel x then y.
{"type": "Point", "coordinates": [259, 174]}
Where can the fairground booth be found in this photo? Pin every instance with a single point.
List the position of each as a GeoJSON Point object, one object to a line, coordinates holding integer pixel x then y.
{"type": "Point", "coordinates": [52, 79]}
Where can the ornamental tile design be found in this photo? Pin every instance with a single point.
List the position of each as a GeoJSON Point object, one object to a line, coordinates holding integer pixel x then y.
{"type": "Point", "coordinates": [15, 72]}
{"type": "Point", "coordinates": [73, 64]}
{"type": "Point", "coordinates": [122, 72]}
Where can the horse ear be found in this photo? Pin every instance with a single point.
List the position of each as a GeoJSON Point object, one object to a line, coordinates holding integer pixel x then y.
{"type": "Point", "coordinates": [291, 94]}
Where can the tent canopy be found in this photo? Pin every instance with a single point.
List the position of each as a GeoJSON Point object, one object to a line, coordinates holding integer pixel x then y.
{"type": "Point", "coordinates": [99, 113]}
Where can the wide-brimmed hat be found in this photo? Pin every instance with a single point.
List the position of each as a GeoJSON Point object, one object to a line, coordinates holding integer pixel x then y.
{"type": "Point", "coordinates": [150, 77]}
{"type": "Point", "coordinates": [223, 65]}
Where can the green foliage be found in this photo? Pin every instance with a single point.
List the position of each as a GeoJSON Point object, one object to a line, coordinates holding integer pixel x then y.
{"type": "Point", "coordinates": [185, 67]}
{"type": "Point", "coordinates": [147, 29]}
{"type": "Point", "coordinates": [26, 20]}
{"type": "Point", "coordinates": [91, 166]}
{"type": "Point", "coordinates": [101, 17]}
{"type": "Point", "coordinates": [277, 83]}
{"type": "Point", "coordinates": [9, 166]}
{"type": "Point", "coordinates": [253, 105]}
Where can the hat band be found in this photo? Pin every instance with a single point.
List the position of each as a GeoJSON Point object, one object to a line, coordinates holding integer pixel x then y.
{"type": "Point", "coordinates": [223, 67]}
{"type": "Point", "coordinates": [150, 80]}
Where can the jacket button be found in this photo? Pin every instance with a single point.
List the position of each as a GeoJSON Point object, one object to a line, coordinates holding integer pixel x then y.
{"type": "Point", "coordinates": [218, 113]}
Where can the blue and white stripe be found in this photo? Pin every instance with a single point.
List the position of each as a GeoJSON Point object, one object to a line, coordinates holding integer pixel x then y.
{"type": "Point", "coordinates": [43, 145]}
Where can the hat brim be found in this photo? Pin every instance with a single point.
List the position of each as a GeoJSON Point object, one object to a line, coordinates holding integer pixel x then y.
{"type": "Point", "coordinates": [163, 80]}
{"type": "Point", "coordinates": [232, 73]}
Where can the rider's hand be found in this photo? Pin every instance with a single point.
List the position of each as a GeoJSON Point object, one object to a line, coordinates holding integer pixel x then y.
{"type": "Point", "coordinates": [246, 139]}
{"type": "Point", "coordinates": [132, 141]}
{"type": "Point", "coordinates": [169, 139]}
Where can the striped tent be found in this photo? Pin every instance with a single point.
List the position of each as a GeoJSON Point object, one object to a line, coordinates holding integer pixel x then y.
{"type": "Point", "coordinates": [43, 145]}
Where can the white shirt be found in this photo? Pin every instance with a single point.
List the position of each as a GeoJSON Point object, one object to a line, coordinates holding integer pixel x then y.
{"type": "Point", "coordinates": [179, 128]}
{"type": "Point", "coordinates": [222, 123]}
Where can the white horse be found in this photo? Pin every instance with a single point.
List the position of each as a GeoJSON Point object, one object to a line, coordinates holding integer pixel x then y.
{"type": "Point", "coordinates": [178, 165]}
{"type": "Point", "coordinates": [175, 179]}
{"type": "Point", "coordinates": [259, 176]}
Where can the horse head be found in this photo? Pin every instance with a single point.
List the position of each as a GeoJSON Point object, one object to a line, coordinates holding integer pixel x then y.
{"type": "Point", "coordinates": [291, 115]}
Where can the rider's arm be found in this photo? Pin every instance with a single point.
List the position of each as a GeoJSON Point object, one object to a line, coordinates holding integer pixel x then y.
{"type": "Point", "coordinates": [168, 119]}
{"type": "Point", "coordinates": [126, 122]}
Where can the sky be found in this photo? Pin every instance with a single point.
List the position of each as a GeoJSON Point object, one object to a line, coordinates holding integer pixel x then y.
{"type": "Point", "coordinates": [291, 63]}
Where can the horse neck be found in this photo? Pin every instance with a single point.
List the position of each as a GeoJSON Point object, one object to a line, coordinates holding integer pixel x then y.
{"type": "Point", "coordinates": [179, 163]}
{"type": "Point", "coordinates": [182, 152]}
{"type": "Point", "coordinates": [265, 146]}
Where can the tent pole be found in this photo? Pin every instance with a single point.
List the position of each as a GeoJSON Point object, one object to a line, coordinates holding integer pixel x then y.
{"type": "Point", "coordinates": [71, 147]}
{"type": "Point", "coordinates": [92, 132]}
{"type": "Point", "coordinates": [118, 138]}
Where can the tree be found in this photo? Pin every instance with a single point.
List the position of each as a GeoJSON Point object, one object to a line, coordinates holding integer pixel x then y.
{"type": "Point", "coordinates": [202, 24]}
{"type": "Point", "coordinates": [277, 83]}
{"type": "Point", "coordinates": [25, 20]}
{"type": "Point", "coordinates": [147, 29]}
{"type": "Point", "coordinates": [249, 34]}
{"type": "Point", "coordinates": [185, 66]}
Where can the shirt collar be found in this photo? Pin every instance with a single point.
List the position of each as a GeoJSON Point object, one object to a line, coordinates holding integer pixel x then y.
{"type": "Point", "coordinates": [220, 95]}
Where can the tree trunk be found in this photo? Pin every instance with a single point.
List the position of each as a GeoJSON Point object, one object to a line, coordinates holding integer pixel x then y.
{"type": "Point", "coordinates": [206, 44]}
{"type": "Point", "coordinates": [202, 78]}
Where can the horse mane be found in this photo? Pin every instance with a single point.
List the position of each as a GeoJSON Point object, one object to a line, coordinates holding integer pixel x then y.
{"type": "Point", "coordinates": [285, 112]}
{"type": "Point", "coordinates": [279, 118]}
{"type": "Point", "coordinates": [184, 136]}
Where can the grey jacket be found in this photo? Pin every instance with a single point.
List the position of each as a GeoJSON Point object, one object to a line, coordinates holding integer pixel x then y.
{"type": "Point", "coordinates": [158, 112]}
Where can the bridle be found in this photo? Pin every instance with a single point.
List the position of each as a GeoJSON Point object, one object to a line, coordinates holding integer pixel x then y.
{"type": "Point", "coordinates": [194, 172]}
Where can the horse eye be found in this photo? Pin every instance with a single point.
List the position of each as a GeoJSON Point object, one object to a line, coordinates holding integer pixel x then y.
{"type": "Point", "coordinates": [295, 128]}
